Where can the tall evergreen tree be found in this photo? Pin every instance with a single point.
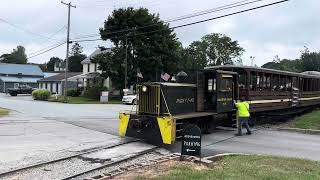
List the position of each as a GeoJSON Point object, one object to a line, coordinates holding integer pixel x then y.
{"type": "Point", "coordinates": [75, 58]}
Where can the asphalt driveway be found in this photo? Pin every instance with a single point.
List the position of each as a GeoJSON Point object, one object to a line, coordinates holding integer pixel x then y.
{"type": "Point", "coordinates": [104, 118]}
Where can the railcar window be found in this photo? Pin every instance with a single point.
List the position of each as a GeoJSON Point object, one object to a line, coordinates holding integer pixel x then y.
{"type": "Point", "coordinates": [226, 84]}
{"type": "Point", "coordinates": [253, 81]}
{"type": "Point", "coordinates": [295, 82]}
{"type": "Point", "coordinates": [242, 80]}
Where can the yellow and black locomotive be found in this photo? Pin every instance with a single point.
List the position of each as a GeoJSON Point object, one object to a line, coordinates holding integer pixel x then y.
{"type": "Point", "coordinates": [163, 108]}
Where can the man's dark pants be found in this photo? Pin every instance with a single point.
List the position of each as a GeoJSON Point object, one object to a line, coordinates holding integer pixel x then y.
{"type": "Point", "coordinates": [243, 121]}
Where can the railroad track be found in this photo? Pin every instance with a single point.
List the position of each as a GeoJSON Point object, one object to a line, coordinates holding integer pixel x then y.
{"type": "Point", "coordinates": [111, 164]}
{"type": "Point", "coordinates": [52, 167]}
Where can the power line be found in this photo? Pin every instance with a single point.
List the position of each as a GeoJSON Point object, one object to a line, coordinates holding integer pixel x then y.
{"type": "Point", "coordinates": [175, 27]}
{"type": "Point", "coordinates": [47, 50]}
{"type": "Point", "coordinates": [52, 35]}
{"type": "Point", "coordinates": [217, 9]}
{"type": "Point", "coordinates": [34, 52]}
{"type": "Point", "coordinates": [221, 8]}
{"type": "Point", "coordinates": [196, 22]}
{"type": "Point", "coordinates": [22, 29]}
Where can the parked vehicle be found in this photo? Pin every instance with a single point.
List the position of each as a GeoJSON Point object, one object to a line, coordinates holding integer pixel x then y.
{"type": "Point", "coordinates": [23, 89]}
{"type": "Point", "coordinates": [129, 99]}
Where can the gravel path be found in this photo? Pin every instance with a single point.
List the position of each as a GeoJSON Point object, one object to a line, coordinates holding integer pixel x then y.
{"type": "Point", "coordinates": [69, 167]}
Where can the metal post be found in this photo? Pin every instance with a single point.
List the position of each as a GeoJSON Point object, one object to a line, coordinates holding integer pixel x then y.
{"type": "Point", "coordinates": [126, 65]}
{"type": "Point", "coordinates": [67, 53]}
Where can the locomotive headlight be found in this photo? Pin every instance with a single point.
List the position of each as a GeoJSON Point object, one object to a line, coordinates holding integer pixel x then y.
{"type": "Point", "coordinates": [144, 88]}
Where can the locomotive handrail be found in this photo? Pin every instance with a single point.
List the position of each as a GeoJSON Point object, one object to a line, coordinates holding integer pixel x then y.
{"type": "Point", "coordinates": [165, 102]}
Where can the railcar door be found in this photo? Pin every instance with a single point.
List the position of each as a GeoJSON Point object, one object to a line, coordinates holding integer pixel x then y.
{"type": "Point", "coordinates": [225, 92]}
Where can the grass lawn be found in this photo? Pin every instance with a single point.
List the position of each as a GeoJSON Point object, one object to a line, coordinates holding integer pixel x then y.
{"type": "Point", "coordinates": [3, 112]}
{"type": "Point", "coordinates": [240, 167]}
{"type": "Point", "coordinates": [308, 121]}
{"type": "Point", "coordinates": [81, 100]}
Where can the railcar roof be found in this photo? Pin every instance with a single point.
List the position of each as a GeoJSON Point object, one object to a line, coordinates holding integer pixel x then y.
{"type": "Point", "coordinates": [170, 84]}
{"type": "Point", "coordinates": [252, 68]}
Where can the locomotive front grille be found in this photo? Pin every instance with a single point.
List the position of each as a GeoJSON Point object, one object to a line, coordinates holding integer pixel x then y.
{"type": "Point", "coordinates": [149, 99]}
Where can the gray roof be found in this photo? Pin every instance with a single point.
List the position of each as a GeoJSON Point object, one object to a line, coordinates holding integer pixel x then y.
{"type": "Point", "coordinates": [96, 52]}
{"type": "Point", "coordinates": [60, 77]}
{"type": "Point", "coordinates": [24, 69]}
{"type": "Point", "coordinates": [252, 68]}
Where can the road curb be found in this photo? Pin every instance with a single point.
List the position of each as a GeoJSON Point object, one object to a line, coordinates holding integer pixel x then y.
{"type": "Point", "coordinates": [303, 131]}
{"type": "Point", "coordinates": [219, 156]}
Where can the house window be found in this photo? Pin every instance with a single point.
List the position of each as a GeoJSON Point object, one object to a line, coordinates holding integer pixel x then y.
{"type": "Point", "coordinates": [95, 67]}
{"type": "Point", "coordinates": [88, 67]}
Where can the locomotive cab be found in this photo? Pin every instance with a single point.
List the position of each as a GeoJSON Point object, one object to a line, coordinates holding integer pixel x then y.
{"type": "Point", "coordinates": [216, 90]}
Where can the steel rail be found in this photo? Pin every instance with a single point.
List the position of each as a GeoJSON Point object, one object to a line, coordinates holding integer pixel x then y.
{"type": "Point", "coordinates": [112, 163]}
{"type": "Point", "coordinates": [63, 158]}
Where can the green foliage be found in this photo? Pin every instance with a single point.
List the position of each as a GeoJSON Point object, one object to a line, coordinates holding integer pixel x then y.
{"type": "Point", "coordinates": [75, 63]}
{"type": "Point", "coordinates": [310, 60]}
{"type": "Point", "coordinates": [17, 56]}
{"type": "Point", "coordinates": [150, 52]}
{"type": "Point", "coordinates": [94, 91]}
{"type": "Point", "coordinates": [41, 94]}
{"type": "Point", "coordinates": [3, 112]}
{"type": "Point", "coordinates": [73, 92]}
{"type": "Point", "coordinates": [75, 58]}
{"type": "Point", "coordinates": [308, 121]}
{"type": "Point", "coordinates": [285, 65]}
{"type": "Point", "coordinates": [213, 49]}
{"type": "Point", "coordinates": [246, 167]}
{"type": "Point", "coordinates": [52, 62]}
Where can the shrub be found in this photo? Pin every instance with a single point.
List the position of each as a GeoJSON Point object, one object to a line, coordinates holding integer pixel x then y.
{"type": "Point", "coordinates": [73, 92]}
{"type": "Point", "coordinates": [41, 94]}
{"type": "Point", "coordinates": [93, 92]}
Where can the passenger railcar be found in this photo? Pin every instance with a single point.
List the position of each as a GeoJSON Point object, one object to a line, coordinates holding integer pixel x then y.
{"type": "Point", "coordinates": [165, 108]}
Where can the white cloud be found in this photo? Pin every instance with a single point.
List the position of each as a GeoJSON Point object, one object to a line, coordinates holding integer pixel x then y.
{"type": "Point", "coordinates": [278, 30]}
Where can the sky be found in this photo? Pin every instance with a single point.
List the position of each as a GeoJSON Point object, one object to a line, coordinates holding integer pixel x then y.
{"type": "Point", "coordinates": [284, 29]}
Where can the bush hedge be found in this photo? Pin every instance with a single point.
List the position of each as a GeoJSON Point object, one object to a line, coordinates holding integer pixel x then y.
{"type": "Point", "coordinates": [93, 92]}
{"type": "Point", "coordinates": [41, 94]}
{"type": "Point", "coordinates": [73, 92]}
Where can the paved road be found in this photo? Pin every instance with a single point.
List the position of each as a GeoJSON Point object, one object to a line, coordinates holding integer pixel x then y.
{"type": "Point", "coordinates": [25, 105]}
{"type": "Point", "coordinates": [103, 118]}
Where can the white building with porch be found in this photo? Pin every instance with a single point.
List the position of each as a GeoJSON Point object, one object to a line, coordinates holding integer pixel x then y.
{"type": "Point", "coordinates": [91, 70]}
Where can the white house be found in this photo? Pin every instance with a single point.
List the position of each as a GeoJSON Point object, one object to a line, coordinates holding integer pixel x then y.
{"type": "Point", "coordinates": [91, 70]}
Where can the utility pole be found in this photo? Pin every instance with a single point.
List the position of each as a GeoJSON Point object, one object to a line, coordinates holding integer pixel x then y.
{"type": "Point", "coordinates": [126, 64]}
{"type": "Point", "coordinates": [67, 55]}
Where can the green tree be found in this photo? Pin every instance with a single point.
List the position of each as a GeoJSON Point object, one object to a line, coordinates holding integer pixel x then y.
{"type": "Point", "coordinates": [17, 56]}
{"type": "Point", "coordinates": [75, 58]}
{"type": "Point", "coordinates": [214, 49]}
{"type": "Point", "coordinates": [148, 49]}
{"type": "Point", "coordinates": [192, 59]}
{"type": "Point", "coordinates": [285, 65]}
{"type": "Point", "coordinates": [52, 62]}
{"type": "Point", "coordinates": [310, 60]}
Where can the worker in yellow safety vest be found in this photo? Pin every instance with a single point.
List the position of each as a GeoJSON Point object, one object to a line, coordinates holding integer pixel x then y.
{"type": "Point", "coordinates": [243, 115]}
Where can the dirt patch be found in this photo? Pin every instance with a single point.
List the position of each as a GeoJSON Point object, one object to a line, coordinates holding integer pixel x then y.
{"type": "Point", "coordinates": [159, 170]}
